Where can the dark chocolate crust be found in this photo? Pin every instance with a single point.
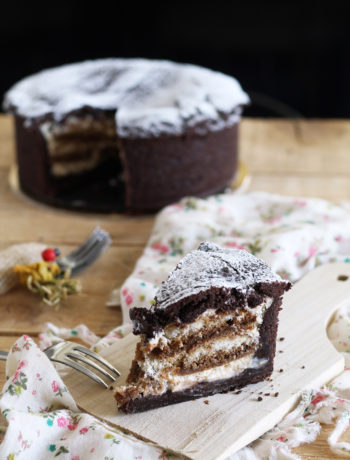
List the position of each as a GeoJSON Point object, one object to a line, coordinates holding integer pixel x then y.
{"type": "Point", "coordinates": [267, 349]}
{"type": "Point", "coordinates": [187, 310]}
{"type": "Point", "coordinates": [158, 170]}
{"type": "Point", "coordinates": [162, 170]}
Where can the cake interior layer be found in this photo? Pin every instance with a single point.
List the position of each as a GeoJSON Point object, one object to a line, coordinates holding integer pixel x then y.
{"type": "Point", "coordinates": [216, 346]}
{"type": "Point", "coordinates": [80, 144]}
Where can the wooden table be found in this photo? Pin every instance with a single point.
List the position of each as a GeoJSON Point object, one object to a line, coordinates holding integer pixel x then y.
{"type": "Point", "coordinates": [301, 158]}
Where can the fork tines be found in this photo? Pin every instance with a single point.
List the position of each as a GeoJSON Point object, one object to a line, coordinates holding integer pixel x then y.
{"type": "Point", "coordinates": [72, 355]}
{"type": "Point", "coordinates": [87, 253]}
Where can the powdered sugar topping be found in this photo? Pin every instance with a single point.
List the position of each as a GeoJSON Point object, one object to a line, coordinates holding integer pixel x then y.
{"type": "Point", "coordinates": [150, 97]}
{"type": "Point", "coordinates": [210, 265]}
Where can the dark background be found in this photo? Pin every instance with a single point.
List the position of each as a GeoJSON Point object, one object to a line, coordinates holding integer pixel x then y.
{"type": "Point", "coordinates": [292, 57]}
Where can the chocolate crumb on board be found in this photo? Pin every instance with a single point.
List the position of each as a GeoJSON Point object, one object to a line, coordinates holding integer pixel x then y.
{"type": "Point", "coordinates": [276, 394]}
{"type": "Point", "coordinates": [206, 401]}
{"type": "Point", "coordinates": [260, 398]}
{"type": "Point", "coordinates": [266, 394]}
{"type": "Point", "coordinates": [281, 370]}
{"type": "Point", "coordinates": [303, 367]}
{"type": "Point", "coordinates": [281, 339]}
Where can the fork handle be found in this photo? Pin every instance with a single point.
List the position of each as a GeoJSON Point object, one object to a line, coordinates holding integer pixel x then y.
{"type": "Point", "coordinates": [3, 355]}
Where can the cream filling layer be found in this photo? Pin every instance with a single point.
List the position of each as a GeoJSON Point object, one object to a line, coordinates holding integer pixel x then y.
{"type": "Point", "coordinates": [154, 367]}
{"type": "Point", "coordinates": [63, 168]}
{"type": "Point", "coordinates": [229, 370]}
{"type": "Point", "coordinates": [57, 145]}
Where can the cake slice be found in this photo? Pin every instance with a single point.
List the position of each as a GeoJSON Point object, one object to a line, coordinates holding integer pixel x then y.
{"type": "Point", "coordinates": [212, 329]}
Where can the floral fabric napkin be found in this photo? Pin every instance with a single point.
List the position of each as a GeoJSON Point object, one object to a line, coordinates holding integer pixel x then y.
{"type": "Point", "coordinates": [292, 235]}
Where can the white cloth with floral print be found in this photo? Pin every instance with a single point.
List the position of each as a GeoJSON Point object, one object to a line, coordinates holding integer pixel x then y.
{"type": "Point", "coordinates": [292, 235]}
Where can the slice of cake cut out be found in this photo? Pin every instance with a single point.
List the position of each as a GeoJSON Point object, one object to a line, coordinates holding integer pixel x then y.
{"type": "Point", "coordinates": [212, 329]}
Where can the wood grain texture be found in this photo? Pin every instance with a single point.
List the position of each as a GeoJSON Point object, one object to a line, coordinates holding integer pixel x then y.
{"type": "Point", "coordinates": [308, 158]}
{"type": "Point", "coordinates": [229, 422]}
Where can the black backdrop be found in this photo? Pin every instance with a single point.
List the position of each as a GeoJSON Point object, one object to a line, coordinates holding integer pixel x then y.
{"type": "Point", "coordinates": [292, 57]}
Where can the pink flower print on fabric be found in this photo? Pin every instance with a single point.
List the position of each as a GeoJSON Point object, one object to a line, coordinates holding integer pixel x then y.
{"type": "Point", "coordinates": [62, 422]}
{"type": "Point", "coordinates": [319, 398]}
{"type": "Point", "coordinates": [312, 251]}
{"type": "Point", "coordinates": [55, 386]}
{"type": "Point", "coordinates": [300, 203]}
{"type": "Point", "coordinates": [128, 297]}
{"type": "Point", "coordinates": [234, 245]}
{"type": "Point", "coordinates": [162, 248]}
{"type": "Point", "coordinates": [274, 220]}
{"type": "Point", "coordinates": [22, 364]}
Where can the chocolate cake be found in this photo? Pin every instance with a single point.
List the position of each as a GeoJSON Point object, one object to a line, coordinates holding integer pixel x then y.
{"type": "Point", "coordinates": [125, 134]}
{"type": "Point", "coordinates": [212, 329]}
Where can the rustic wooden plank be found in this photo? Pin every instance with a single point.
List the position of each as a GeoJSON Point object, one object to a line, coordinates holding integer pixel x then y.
{"type": "Point", "coordinates": [298, 158]}
{"type": "Point", "coordinates": [25, 224]}
{"type": "Point", "coordinates": [22, 313]}
{"type": "Point", "coordinates": [295, 146]}
{"type": "Point", "coordinates": [319, 449]}
{"type": "Point", "coordinates": [332, 188]}
{"type": "Point", "coordinates": [6, 141]}
{"type": "Point", "coordinates": [57, 226]}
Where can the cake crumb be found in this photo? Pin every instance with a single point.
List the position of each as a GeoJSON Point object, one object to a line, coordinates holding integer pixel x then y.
{"type": "Point", "coordinates": [276, 394]}
{"type": "Point", "coordinates": [281, 370]}
{"type": "Point", "coordinates": [206, 401]}
{"type": "Point", "coordinates": [259, 398]}
{"type": "Point", "coordinates": [281, 339]}
{"type": "Point", "coordinates": [303, 367]}
{"type": "Point", "coordinates": [266, 394]}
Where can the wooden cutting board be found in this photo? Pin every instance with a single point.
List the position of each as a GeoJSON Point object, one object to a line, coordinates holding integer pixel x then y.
{"type": "Point", "coordinates": [212, 428]}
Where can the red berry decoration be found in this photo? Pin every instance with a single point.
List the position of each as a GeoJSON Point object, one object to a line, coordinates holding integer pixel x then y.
{"type": "Point", "coordinates": [49, 255]}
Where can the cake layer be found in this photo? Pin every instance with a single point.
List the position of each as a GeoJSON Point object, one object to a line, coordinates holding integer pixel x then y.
{"type": "Point", "coordinates": [207, 352]}
{"type": "Point", "coordinates": [209, 326]}
{"type": "Point", "coordinates": [250, 369]}
{"type": "Point", "coordinates": [79, 144]}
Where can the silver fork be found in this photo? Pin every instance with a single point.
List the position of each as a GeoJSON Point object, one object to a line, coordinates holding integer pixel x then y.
{"type": "Point", "coordinates": [82, 257]}
{"type": "Point", "coordinates": [69, 353]}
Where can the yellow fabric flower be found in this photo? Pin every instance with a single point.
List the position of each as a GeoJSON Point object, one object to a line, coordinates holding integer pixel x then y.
{"type": "Point", "coordinates": [43, 272]}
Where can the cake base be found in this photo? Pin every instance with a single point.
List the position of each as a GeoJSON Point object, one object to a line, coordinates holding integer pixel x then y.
{"type": "Point", "coordinates": [200, 390]}
{"type": "Point", "coordinates": [89, 201]}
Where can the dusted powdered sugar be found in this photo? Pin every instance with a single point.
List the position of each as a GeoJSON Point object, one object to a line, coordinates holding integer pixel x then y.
{"type": "Point", "coordinates": [150, 97]}
{"type": "Point", "coordinates": [213, 266]}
